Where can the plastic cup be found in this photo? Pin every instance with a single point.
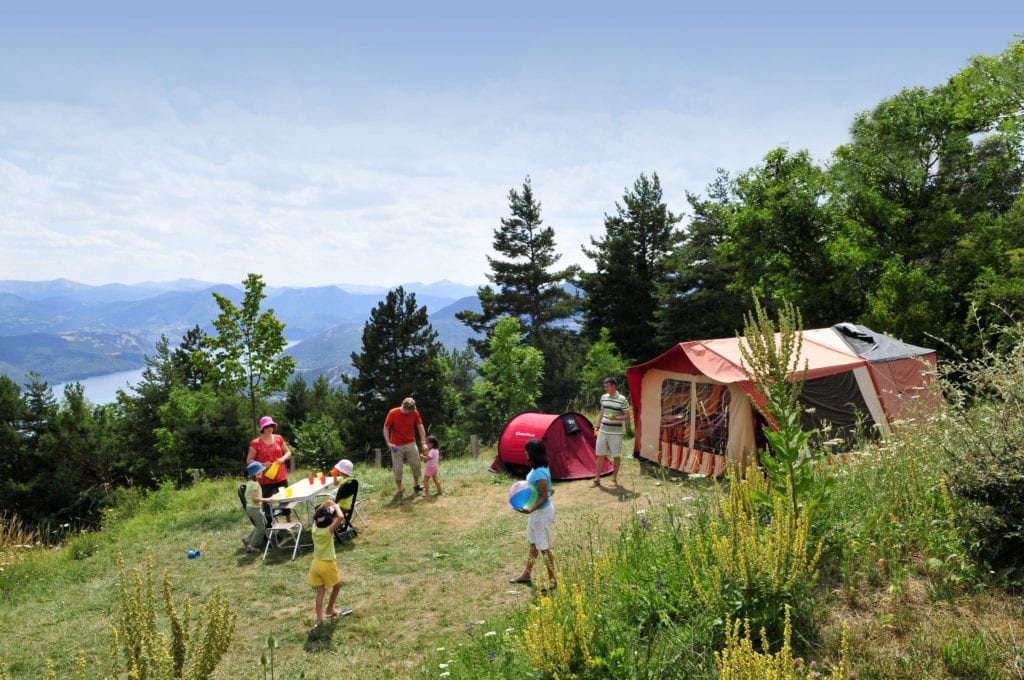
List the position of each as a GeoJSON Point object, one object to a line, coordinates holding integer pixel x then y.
{"type": "Point", "coordinates": [321, 475]}
{"type": "Point", "coordinates": [311, 479]}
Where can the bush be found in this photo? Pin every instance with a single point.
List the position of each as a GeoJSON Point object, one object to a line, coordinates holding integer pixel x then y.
{"type": "Point", "coordinates": [983, 436]}
{"type": "Point", "coordinates": [745, 565]}
{"type": "Point", "coordinates": [740, 661]}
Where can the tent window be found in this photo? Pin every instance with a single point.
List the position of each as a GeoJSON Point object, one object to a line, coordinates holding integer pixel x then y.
{"type": "Point", "coordinates": [676, 396]}
{"type": "Point", "coordinates": [711, 425]}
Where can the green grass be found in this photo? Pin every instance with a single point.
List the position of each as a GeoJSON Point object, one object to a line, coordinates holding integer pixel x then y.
{"type": "Point", "coordinates": [428, 581]}
{"type": "Point", "coordinates": [423, 573]}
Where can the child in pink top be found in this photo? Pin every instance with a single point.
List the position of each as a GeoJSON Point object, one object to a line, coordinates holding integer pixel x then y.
{"type": "Point", "coordinates": [431, 458]}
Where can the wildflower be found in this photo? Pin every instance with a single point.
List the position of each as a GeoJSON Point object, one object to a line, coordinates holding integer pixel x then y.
{"type": "Point", "coordinates": [442, 666]}
{"type": "Point", "coordinates": [439, 649]}
{"type": "Point", "coordinates": [490, 633]}
{"type": "Point", "coordinates": [445, 674]}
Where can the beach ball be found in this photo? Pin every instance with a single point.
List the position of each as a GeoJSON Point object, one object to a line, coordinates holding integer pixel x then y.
{"type": "Point", "coordinates": [522, 495]}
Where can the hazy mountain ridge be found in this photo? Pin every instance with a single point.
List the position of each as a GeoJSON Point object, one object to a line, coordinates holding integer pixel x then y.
{"type": "Point", "coordinates": [68, 331]}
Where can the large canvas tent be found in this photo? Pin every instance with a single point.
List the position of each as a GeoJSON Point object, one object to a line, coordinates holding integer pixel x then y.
{"type": "Point", "coordinates": [693, 404]}
{"type": "Point", "coordinates": [569, 440]}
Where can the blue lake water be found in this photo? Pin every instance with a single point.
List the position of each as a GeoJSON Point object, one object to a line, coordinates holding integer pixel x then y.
{"type": "Point", "coordinates": [102, 389]}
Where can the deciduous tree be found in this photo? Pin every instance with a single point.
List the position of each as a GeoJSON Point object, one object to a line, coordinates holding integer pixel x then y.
{"type": "Point", "coordinates": [246, 354]}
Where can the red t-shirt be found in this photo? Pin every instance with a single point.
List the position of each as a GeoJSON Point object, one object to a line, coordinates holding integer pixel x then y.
{"type": "Point", "coordinates": [267, 454]}
{"type": "Point", "coordinates": [402, 425]}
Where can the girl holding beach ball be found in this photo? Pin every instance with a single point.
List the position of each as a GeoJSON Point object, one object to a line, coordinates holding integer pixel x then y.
{"type": "Point", "coordinates": [541, 512]}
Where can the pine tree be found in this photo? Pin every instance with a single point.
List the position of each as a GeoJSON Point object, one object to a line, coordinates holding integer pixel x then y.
{"type": "Point", "coordinates": [398, 360]}
{"type": "Point", "coordinates": [621, 294]}
{"type": "Point", "coordinates": [527, 288]}
{"type": "Point", "coordinates": [695, 299]}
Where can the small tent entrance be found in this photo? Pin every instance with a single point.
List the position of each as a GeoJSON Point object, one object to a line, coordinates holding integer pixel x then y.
{"type": "Point", "coordinates": [569, 440]}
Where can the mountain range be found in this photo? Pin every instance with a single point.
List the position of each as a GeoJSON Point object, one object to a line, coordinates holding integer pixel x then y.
{"type": "Point", "coordinates": [65, 331]}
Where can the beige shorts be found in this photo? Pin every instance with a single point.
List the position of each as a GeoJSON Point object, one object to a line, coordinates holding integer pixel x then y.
{"type": "Point", "coordinates": [406, 453]}
{"type": "Point", "coordinates": [608, 444]}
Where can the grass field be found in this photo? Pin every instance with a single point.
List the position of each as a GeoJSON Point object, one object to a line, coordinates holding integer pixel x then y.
{"type": "Point", "coordinates": [424, 574]}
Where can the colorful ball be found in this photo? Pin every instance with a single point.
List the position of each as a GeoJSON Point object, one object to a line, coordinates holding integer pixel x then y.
{"type": "Point", "coordinates": [522, 495]}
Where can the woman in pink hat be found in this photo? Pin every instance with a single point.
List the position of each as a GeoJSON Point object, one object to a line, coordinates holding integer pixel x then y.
{"type": "Point", "coordinates": [270, 448]}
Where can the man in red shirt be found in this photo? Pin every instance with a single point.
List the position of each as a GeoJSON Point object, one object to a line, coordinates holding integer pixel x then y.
{"type": "Point", "coordinates": [400, 428]}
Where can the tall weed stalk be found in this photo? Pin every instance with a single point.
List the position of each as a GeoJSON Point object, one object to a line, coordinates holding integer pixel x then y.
{"type": "Point", "coordinates": [747, 564]}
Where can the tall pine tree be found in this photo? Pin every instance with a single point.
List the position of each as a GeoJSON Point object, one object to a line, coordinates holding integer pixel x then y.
{"type": "Point", "coordinates": [621, 294]}
{"type": "Point", "coordinates": [399, 359]}
{"type": "Point", "coordinates": [527, 287]}
{"type": "Point", "coordinates": [695, 300]}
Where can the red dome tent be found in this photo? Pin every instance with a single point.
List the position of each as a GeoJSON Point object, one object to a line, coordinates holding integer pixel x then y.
{"type": "Point", "coordinates": [569, 439]}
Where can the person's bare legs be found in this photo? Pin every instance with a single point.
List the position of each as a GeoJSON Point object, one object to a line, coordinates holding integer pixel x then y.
{"type": "Point", "coordinates": [616, 463]}
{"type": "Point", "coordinates": [320, 605]}
{"type": "Point", "coordinates": [549, 561]}
{"type": "Point", "coordinates": [530, 559]}
{"type": "Point", "coordinates": [331, 611]}
{"type": "Point", "coordinates": [437, 483]}
{"type": "Point", "coordinates": [426, 486]}
{"type": "Point", "coordinates": [597, 470]}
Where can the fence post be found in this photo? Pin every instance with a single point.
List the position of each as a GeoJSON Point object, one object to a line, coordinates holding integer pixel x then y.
{"type": "Point", "coordinates": [474, 445]}
{"type": "Point", "coordinates": [376, 457]}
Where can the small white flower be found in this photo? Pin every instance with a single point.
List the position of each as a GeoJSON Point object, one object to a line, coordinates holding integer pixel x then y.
{"type": "Point", "coordinates": [445, 674]}
{"type": "Point", "coordinates": [490, 633]}
{"type": "Point", "coordinates": [641, 511]}
{"type": "Point", "coordinates": [480, 623]}
{"type": "Point", "coordinates": [509, 630]}
{"type": "Point", "coordinates": [439, 649]}
{"type": "Point", "coordinates": [442, 666]}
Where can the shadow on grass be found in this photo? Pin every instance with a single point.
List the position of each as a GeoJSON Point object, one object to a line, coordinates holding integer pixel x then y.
{"type": "Point", "coordinates": [321, 638]}
{"type": "Point", "coordinates": [621, 493]}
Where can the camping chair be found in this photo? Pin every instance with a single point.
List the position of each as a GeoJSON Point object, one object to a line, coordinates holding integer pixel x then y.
{"type": "Point", "coordinates": [347, 499]}
{"type": "Point", "coordinates": [271, 527]}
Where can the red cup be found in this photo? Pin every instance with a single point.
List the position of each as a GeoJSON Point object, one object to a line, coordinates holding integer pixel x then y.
{"type": "Point", "coordinates": [311, 479]}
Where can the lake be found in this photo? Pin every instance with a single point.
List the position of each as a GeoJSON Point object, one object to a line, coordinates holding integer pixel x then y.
{"type": "Point", "coordinates": [102, 389]}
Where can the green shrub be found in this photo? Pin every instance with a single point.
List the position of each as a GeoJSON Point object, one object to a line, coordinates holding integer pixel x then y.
{"type": "Point", "coordinates": [122, 503]}
{"type": "Point", "coordinates": [983, 436]}
{"type": "Point", "coordinates": [743, 565]}
{"type": "Point", "coordinates": [84, 545]}
{"type": "Point", "coordinates": [318, 443]}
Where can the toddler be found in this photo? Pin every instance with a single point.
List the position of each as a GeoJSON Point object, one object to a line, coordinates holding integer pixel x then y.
{"type": "Point", "coordinates": [432, 457]}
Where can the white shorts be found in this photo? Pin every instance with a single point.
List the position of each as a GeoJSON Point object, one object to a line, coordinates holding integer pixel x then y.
{"type": "Point", "coordinates": [608, 444]}
{"type": "Point", "coordinates": [538, 528]}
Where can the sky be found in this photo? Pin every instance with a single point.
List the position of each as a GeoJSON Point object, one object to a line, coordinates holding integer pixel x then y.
{"type": "Point", "coordinates": [317, 143]}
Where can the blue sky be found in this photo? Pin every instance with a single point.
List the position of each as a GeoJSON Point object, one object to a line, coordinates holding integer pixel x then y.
{"type": "Point", "coordinates": [326, 142]}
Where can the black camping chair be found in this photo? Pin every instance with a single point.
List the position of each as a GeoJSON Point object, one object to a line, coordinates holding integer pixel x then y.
{"type": "Point", "coordinates": [347, 498]}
